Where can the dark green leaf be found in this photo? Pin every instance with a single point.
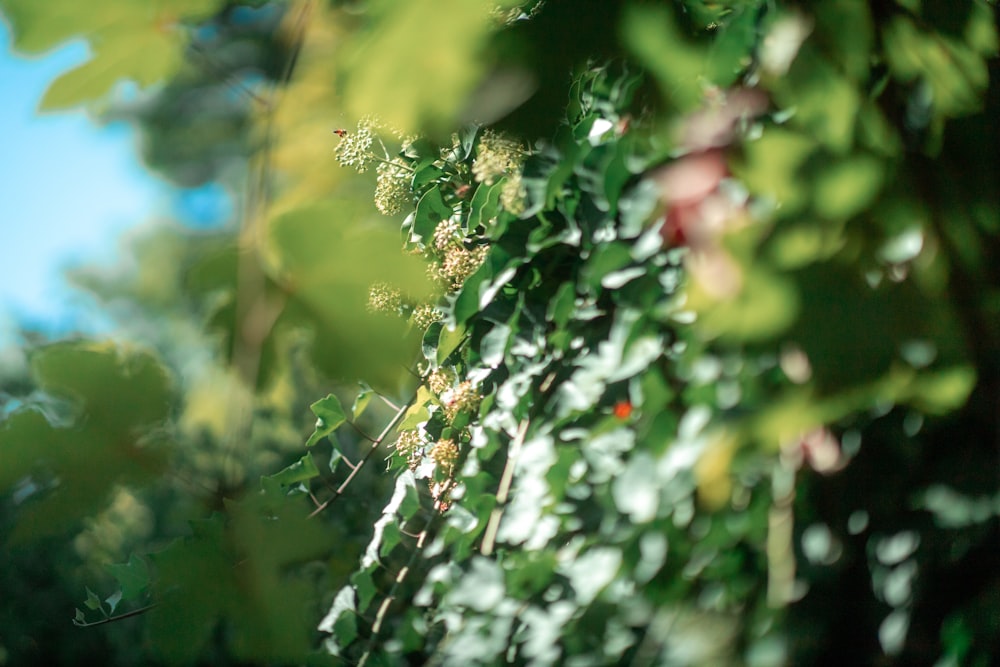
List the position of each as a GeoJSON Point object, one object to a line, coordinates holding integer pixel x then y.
{"type": "Point", "coordinates": [132, 577]}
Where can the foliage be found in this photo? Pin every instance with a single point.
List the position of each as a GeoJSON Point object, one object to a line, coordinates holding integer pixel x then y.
{"type": "Point", "coordinates": [706, 369]}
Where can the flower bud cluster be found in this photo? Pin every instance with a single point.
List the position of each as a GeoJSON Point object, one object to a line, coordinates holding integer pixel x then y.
{"type": "Point", "coordinates": [410, 446]}
{"type": "Point", "coordinates": [513, 195]}
{"type": "Point", "coordinates": [392, 187]}
{"type": "Point", "coordinates": [425, 315]}
{"type": "Point", "coordinates": [463, 398]}
{"type": "Point", "coordinates": [447, 233]}
{"type": "Point", "coordinates": [355, 148]}
{"type": "Point", "coordinates": [457, 265]}
{"type": "Point", "coordinates": [382, 298]}
{"type": "Point", "coordinates": [445, 454]}
{"type": "Point", "coordinates": [441, 380]}
{"type": "Point", "coordinates": [497, 156]}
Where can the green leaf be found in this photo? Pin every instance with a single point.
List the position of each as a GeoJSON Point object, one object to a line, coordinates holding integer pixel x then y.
{"type": "Point", "coordinates": [329, 416]}
{"type": "Point", "coordinates": [364, 586]}
{"type": "Point", "coordinates": [132, 577]}
{"type": "Point", "coordinates": [335, 458]}
{"type": "Point", "coordinates": [943, 391]}
{"type": "Point", "coordinates": [562, 305]}
{"type": "Point", "coordinates": [765, 306]}
{"type": "Point", "coordinates": [92, 602]}
{"type": "Point", "coordinates": [113, 600]}
{"type": "Point", "coordinates": [362, 400]}
{"type": "Point", "coordinates": [341, 619]}
{"type": "Point", "coordinates": [328, 254]}
{"type": "Point", "coordinates": [302, 470]}
{"type": "Point", "coordinates": [732, 49]}
{"type": "Point", "coordinates": [417, 413]}
{"type": "Point", "coordinates": [772, 167]}
{"type": "Point", "coordinates": [484, 204]}
{"type": "Point", "coordinates": [144, 57]}
{"type": "Point", "coordinates": [431, 210]}
{"type": "Point", "coordinates": [449, 341]}
{"type": "Point", "coordinates": [494, 345]}
{"type": "Point", "coordinates": [417, 62]}
{"type": "Point", "coordinates": [848, 187]}
{"type": "Point", "coordinates": [651, 33]}
{"type": "Point", "coordinates": [119, 396]}
{"type": "Point", "coordinates": [425, 175]}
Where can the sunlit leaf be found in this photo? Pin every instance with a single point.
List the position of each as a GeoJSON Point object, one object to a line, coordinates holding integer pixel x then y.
{"type": "Point", "coordinates": [329, 416]}
{"type": "Point", "coordinates": [302, 470]}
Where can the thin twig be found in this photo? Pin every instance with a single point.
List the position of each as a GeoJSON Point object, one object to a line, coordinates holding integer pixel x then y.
{"type": "Point", "coordinates": [387, 601]}
{"type": "Point", "coordinates": [371, 450]}
{"type": "Point", "coordinates": [386, 400]}
{"type": "Point", "coordinates": [119, 617]}
{"type": "Point", "coordinates": [503, 491]}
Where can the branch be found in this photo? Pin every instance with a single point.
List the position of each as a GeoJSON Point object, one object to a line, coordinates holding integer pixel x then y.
{"type": "Point", "coordinates": [112, 619]}
{"type": "Point", "coordinates": [371, 450]}
{"type": "Point", "coordinates": [489, 538]}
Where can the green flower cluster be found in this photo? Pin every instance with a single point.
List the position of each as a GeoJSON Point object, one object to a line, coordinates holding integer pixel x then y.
{"type": "Point", "coordinates": [497, 156]}
{"type": "Point", "coordinates": [383, 298]}
{"type": "Point", "coordinates": [392, 187]}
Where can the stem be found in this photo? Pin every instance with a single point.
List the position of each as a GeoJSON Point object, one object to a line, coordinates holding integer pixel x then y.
{"type": "Point", "coordinates": [391, 595]}
{"type": "Point", "coordinates": [371, 450]}
{"type": "Point", "coordinates": [386, 160]}
{"type": "Point", "coordinates": [119, 617]}
{"type": "Point", "coordinates": [489, 537]}
{"type": "Point", "coordinates": [386, 401]}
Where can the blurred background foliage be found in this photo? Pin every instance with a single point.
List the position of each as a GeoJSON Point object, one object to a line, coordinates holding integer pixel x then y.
{"type": "Point", "coordinates": [866, 303]}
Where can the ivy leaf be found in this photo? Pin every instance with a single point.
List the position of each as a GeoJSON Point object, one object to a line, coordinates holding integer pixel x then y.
{"type": "Point", "coordinates": [302, 470]}
{"type": "Point", "coordinates": [431, 210]}
{"type": "Point", "coordinates": [450, 339]}
{"type": "Point", "coordinates": [113, 600]}
{"type": "Point", "coordinates": [417, 413]}
{"type": "Point", "coordinates": [494, 345]}
{"type": "Point", "coordinates": [329, 416]}
{"type": "Point", "coordinates": [362, 400]}
{"type": "Point", "coordinates": [132, 577]}
{"type": "Point", "coordinates": [341, 619]}
{"type": "Point", "coordinates": [119, 397]}
{"type": "Point", "coordinates": [92, 602]}
{"type": "Point", "coordinates": [426, 175]}
{"type": "Point", "coordinates": [484, 204]}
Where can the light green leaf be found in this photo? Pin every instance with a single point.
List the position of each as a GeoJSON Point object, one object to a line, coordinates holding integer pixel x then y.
{"type": "Point", "coordinates": [302, 470]}
{"type": "Point", "coordinates": [92, 602]}
{"type": "Point", "coordinates": [417, 413]}
{"type": "Point", "coordinates": [450, 339]}
{"type": "Point", "coordinates": [362, 400]}
{"type": "Point", "coordinates": [651, 33]}
{"type": "Point", "coordinates": [113, 600]}
{"type": "Point", "coordinates": [329, 416]}
{"type": "Point", "coordinates": [848, 187]}
{"type": "Point", "coordinates": [418, 62]}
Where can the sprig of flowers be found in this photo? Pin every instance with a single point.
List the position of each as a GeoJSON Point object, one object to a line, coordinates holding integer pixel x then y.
{"type": "Point", "coordinates": [497, 156]}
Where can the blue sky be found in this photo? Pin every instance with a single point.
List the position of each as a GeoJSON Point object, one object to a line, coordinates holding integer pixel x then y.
{"type": "Point", "coordinates": [68, 190]}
